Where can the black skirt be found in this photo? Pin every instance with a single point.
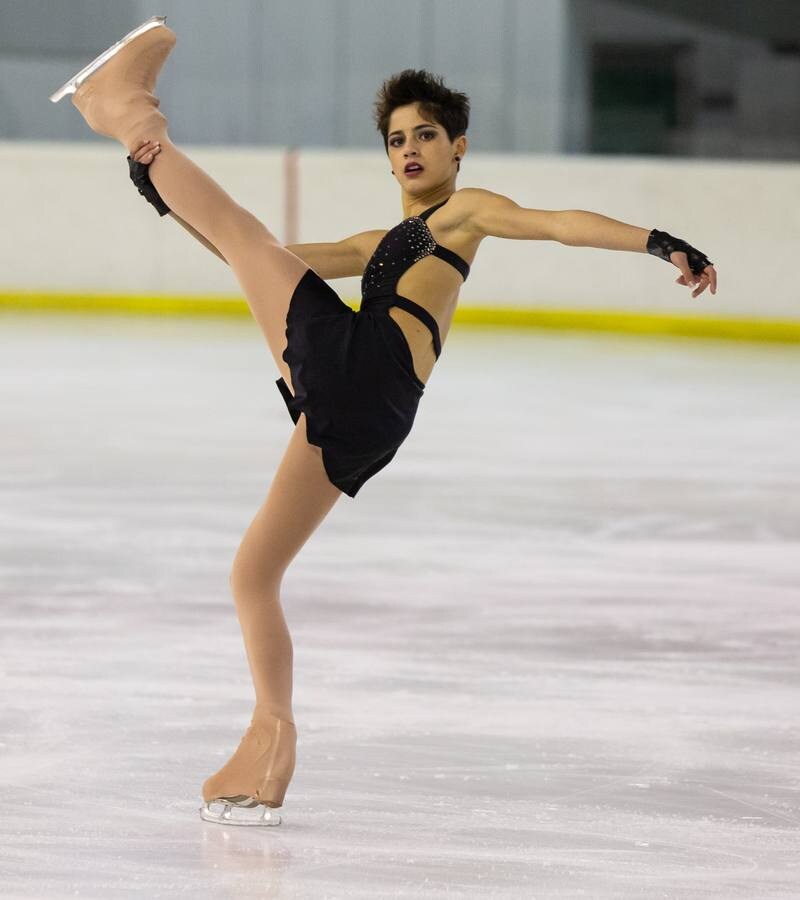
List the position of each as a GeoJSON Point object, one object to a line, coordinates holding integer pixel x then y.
{"type": "Point", "coordinates": [353, 376]}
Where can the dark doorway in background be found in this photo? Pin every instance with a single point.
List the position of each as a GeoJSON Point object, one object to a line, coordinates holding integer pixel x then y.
{"type": "Point", "coordinates": [641, 95]}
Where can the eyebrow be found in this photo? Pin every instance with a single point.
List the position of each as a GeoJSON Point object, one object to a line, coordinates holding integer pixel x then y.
{"type": "Point", "coordinates": [415, 128]}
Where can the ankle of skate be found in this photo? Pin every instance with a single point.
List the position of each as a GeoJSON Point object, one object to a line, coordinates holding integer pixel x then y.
{"type": "Point", "coordinates": [273, 791]}
{"type": "Point", "coordinates": [127, 118]}
{"type": "Point", "coordinates": [261, 767]}
{"type": "Point", "coordinates": [117, 100]}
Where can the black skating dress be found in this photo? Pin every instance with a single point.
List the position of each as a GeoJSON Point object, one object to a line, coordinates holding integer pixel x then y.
{"type": "Point", "coordinates": [353, 372]}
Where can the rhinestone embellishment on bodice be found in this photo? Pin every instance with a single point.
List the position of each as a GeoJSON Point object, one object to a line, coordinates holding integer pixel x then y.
{"type": "Point", "coordinates": [406, 243]}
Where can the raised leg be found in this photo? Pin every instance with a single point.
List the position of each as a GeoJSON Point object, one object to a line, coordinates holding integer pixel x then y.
{"type": "Point", "coordinates": [118, 101]}
{"type": "Point", "coordinates": [267, 272]}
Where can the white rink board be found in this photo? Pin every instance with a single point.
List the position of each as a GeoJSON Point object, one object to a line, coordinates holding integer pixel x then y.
{"type": "Point", "coordinates": [79, 225]}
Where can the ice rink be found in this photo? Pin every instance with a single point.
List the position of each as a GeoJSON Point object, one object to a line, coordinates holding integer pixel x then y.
{"type": "Point", "coordinates": [552, 651]}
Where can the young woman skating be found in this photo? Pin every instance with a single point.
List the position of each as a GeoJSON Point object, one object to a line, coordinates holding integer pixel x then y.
{"type": "Point", "coordinates": [351, 381]}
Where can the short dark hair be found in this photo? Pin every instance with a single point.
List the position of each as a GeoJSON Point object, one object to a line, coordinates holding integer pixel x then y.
{"type": "Point", "coordinates": [450, 109]}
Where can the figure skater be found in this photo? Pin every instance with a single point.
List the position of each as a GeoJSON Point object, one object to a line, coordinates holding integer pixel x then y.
{"type": "Point", "coordinates": [351, 381]}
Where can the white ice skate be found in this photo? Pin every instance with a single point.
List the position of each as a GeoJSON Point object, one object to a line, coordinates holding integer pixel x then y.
{"type": "Point", "coordinates": [226, 816]}
{"type": "Point", "coordinates": [77, 80]}
{"type": "Point", "coordinates": [251, 786]}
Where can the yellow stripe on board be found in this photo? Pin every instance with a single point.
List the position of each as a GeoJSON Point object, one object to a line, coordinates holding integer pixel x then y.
{"type": "Point", "coordinates": [787, 331]}
{"type": "Point", "coordinates": [147, 304]}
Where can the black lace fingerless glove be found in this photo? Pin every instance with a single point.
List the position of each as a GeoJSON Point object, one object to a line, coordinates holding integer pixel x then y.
{"type": "Point", "coordinates": [141, 179]}
{"type": "Point", "coordinates": [661, 244]}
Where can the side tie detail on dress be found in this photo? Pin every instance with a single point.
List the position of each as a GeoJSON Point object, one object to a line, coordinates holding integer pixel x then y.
{"type": "Point", "coordinates": [407, 243]}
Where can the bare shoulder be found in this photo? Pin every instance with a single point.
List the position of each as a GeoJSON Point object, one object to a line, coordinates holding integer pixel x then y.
{"type": "Point", "coordinates": [485, 213]}
{"type": "Point", "coordinates": [468, 201]}
{"type": "Point", "coordinates": [460, 207]}
{"type": "Point", "coordinates": [469, 209]}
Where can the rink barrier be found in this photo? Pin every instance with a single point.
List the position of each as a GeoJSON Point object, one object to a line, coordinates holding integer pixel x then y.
{"type": "Point", "coordinates": [776, 330]}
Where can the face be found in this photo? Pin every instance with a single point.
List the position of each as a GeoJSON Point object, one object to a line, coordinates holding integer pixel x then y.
{"type": "Point", "coordinates": [414, 137]}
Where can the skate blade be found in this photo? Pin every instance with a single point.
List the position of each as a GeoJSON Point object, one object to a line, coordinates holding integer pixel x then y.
{"type": "Point", "coordinates": [77, 80]}
{"type": "Point", "coordinates": [232, 812]}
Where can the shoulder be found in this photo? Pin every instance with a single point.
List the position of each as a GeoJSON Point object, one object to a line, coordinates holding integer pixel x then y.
{"type": "Point", "coordinates": [472, 198]}
{"type": "Point", "coordinates": [474, 207]}
{"type": "Point", "coordinates": [463, 202]}
{"type": "Point", "coordinates": [459, 212]}
{"type": "Point", "coordinates": [468, 196]}
{"type": "Point", "coordinates": [488, 214]}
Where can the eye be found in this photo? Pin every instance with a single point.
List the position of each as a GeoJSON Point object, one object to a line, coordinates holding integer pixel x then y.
{"type": "Point", "coordinates": [396, 141]}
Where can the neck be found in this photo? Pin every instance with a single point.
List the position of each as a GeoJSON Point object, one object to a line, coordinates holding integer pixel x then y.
{"type": "Point", "coordinates": [413, 206]}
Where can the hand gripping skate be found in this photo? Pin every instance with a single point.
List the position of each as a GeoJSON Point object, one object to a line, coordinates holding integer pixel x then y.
{"type": "Point", "coordinates": [141, 178]}
{"type": "Point", "coordinates": [257, 775]}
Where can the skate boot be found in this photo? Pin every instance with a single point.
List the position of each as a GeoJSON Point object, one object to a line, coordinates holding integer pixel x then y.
{"type": "Point", "coordinates": [255, 777]}
{"type": "Point", "coordinates": [114, 93]}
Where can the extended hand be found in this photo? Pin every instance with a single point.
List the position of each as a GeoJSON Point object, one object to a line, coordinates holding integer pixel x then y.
{"type": "Point", "coordinates": [707, 277]}
{"type": "Point", "coordinates": [696, 267]}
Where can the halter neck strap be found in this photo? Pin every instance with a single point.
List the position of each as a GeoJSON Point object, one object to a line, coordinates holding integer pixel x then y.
{"type": "Point", "coordinates": [430, 209]}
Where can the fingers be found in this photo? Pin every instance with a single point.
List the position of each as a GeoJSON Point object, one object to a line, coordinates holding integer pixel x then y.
{"type": "Point", "coordinates": [707, 278]}
{"type": "Point", "coordinates": [147, 152]}
{"type": "Point", "coordinates": [702, 283]}
{"type": "Point", "coordinates": [712, 275]}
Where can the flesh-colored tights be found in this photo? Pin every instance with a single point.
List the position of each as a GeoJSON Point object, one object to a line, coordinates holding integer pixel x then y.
{"type": "Point", "coordinates": [300, 495]}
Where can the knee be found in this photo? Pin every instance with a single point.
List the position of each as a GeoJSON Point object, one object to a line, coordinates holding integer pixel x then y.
{"type": "Point", "coordinates": [255, 584]}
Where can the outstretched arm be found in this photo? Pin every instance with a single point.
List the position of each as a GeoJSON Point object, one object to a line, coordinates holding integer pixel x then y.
{"type": "Point", "coordinates": [329, 261]}
{"type": "Point", "coordinates": [494, 215]}
{"type": "Point", "coordinates": [580, 228]}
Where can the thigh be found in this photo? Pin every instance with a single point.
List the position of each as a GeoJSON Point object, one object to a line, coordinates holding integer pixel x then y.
{"type": "Point", "coordinates": [269, 274]}
{"type": "Point", "coordinates": [298, 499]}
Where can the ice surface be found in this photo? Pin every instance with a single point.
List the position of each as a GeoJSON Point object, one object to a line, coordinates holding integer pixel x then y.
{"type": "Point", "coordinates": [550, 652]}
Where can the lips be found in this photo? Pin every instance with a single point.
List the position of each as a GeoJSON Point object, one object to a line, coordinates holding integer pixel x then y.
{"type": "Point", "coordinates": [413, 167]}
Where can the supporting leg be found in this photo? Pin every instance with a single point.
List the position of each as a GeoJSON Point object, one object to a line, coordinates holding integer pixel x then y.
{"type": "Point", "coordinates": [298, 500]}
